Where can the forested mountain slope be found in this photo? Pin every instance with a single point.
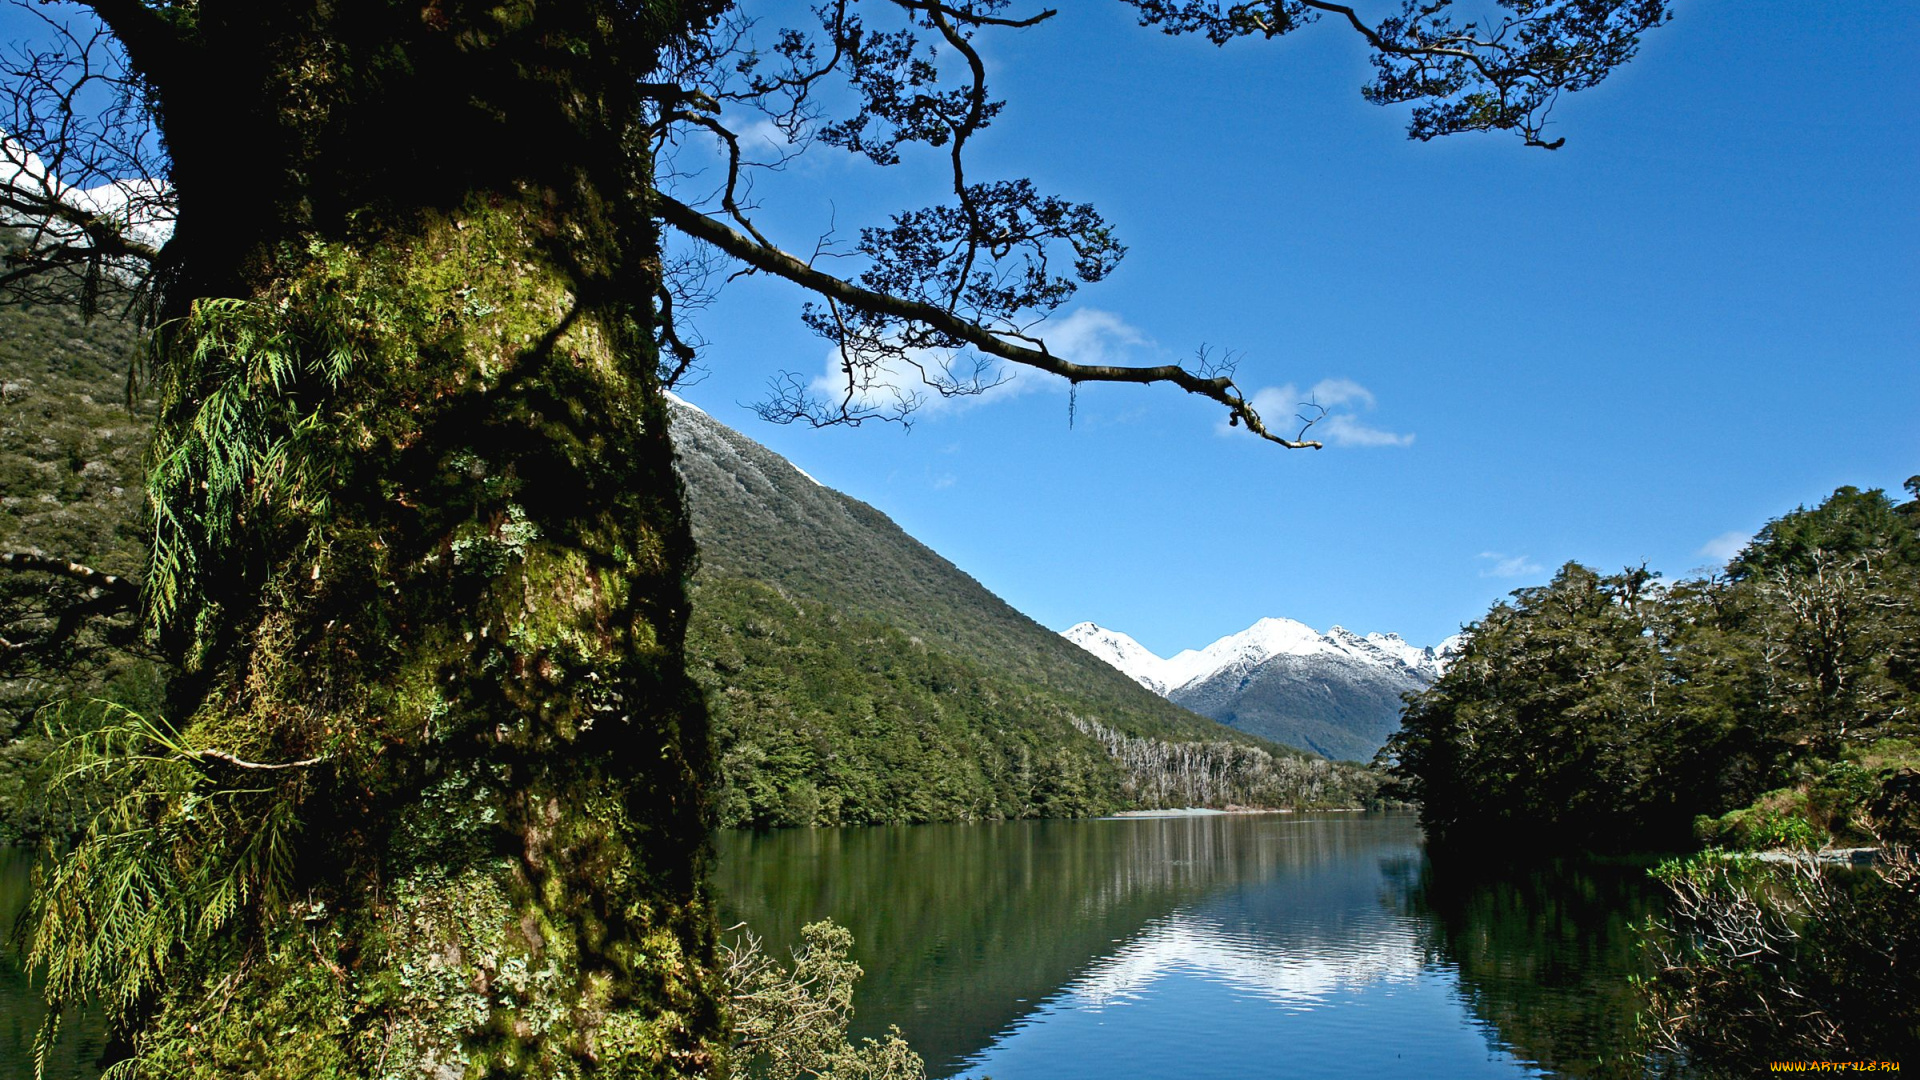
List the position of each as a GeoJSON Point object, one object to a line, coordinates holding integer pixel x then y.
{"type": "Point", "coordinates": [857, 676]}
{"type": "Point", "coordinates": [756, 515]}
{"type": "Point", "coordinates": [70, 486]}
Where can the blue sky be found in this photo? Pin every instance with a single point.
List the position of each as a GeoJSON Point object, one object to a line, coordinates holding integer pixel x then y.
{"type": "Point", "coordinates": [1702, 312]}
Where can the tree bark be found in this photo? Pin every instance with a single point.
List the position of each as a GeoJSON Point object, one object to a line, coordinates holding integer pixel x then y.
{"type": "Point", "coordinates": [459, 624]}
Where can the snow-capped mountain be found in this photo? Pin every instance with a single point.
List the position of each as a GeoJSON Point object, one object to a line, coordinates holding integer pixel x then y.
{"type": "Point", "coordinates": [1252, 647]}
{"type": "Point", "coordinates": [143, 209]}
{"type": "Point", "coordinates": [1135, 660]}
{"type": "Point", "coordinates": [1336, 693]}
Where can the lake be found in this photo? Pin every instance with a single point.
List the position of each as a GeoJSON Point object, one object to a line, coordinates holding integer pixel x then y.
{"type": "Point", "coordinates": [1242, 945]}
{"type": "Point", "coordinates": [81, 1039]}
{"type": "Point", "coordinates": [1213, 946]}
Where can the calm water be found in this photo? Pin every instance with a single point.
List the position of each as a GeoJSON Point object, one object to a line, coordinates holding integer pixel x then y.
{"type": "Point", "coordinates": [20, 1007]}
{"type": "Point", "coordinates": [1232, 946]}
{"type": "Point", "coordinates": [1226, 946]}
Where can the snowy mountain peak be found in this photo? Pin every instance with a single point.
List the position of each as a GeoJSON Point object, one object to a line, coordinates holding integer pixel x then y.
{"type": "Point", "coordinates": [1426, 661]}
{"type": "Point", "coordinates": [1264, 639]}
{"type": "Point", "coordinates": [1338, 694]}
{"type": "Point", "coordinates": [1249, 649]}
{"type": "Point", "coordinates": [1133, 659]}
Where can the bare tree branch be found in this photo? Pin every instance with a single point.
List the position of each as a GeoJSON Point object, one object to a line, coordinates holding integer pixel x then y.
{"type": "Point", "coordinates": [82, 188]}
{"type": "Point", "coordinates": [975, 18]}
{"type": "Point", "coordinates": [225, 758]}
{"type": "Point", "coordinates": [774, 261]}
{"type": "Point", "coordinates": [110, 585]}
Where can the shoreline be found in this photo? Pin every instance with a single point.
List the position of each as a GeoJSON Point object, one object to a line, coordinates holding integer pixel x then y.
{"type": "Point", "coordinates": [1208, 811]}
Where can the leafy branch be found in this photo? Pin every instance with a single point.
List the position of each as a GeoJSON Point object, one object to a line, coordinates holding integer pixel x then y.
{"type": "Point", "coordinates": [173, 852]}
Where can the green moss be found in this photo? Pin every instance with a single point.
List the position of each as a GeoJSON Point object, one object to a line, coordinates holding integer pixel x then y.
{"type": "Point", "coordinates": [465, 613]}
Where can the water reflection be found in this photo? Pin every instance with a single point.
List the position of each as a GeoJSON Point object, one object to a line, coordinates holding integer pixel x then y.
{"type": "Point", "coordinates": [964, 928]}
{"type": "Point", "coordinates": [21, 1009]}
{"type": "Point", "coordinates": [1296, 945]}
{"type": "Point", "coordinates": [1216, 946]}
{"type": "Point", "coordinates": [1290, 974]}
{"type": "Point", "coordinates": [1543, 952]}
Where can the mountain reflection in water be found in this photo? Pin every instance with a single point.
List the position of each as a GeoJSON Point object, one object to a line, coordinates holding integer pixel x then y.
{"type": "Point", "coordinates": [1237, 946]}
{"type": "Point", "coordinates": [1229, 946]}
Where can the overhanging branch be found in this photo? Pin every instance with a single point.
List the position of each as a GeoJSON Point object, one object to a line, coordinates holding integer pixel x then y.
{"type": "Point", "coordinates": [772, 260]}
{"type": "Point", "coordinates": [106, 237]}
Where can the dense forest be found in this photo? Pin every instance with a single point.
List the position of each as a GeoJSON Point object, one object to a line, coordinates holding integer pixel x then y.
{"type": "Point", "coordinates": [72, 453]}
{"type": "Point", "coordinates": [1774, 707]}
{"type": "Point", "coordinates": [1778, 700]}
{"type": "Point", "coordinates": [856, 677]}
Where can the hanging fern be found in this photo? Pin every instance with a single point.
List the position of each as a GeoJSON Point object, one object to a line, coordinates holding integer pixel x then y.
{"type": "Point", "coordinates": [174, 852]}
{"type": "Point", "coordinates": [239, 448]}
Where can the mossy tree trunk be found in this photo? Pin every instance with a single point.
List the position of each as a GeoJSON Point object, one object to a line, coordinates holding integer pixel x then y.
{"type": "Point", "coordinates": [432, 603]}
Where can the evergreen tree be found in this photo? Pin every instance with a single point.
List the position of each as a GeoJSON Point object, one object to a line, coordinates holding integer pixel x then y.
{"type": "Point", "coordinates": [1834, 589]}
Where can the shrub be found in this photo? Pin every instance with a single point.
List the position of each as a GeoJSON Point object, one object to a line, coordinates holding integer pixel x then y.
{"type": "Point", "coordinates": [1763, 961]}
{"type": "Point", "coordinates": [791, 1022]}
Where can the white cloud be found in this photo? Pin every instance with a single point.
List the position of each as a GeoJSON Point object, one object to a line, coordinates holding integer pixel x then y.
{"type": "Point", "coordinates": [1723, 548]}
{"type": "Point", "coordinates": [1084, 336]}
{"type": "Point", "coordinates": [759, 137]}
{"type": "Point", "coordinates": [1285, 408]}
{"type": "Point", "coordinates": [1092, 336]}
{"type": "Point", "coordinates": [1509, 566]}
{"type": "Point", "coordinates": [1336, 392]}
{"type": "Point", "coordinates": [1341, 429]}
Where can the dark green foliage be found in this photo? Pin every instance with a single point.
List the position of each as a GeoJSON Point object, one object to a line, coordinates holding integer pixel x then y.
{"type": "Point", "coordinates": [175, 845]}
{"type": "Point", "coordinates": [244, 455]}
{"type": "Point", "coordinates": [1545, 949]}
{"type": "Point", "coordinates": [1568, 719]}
{"type": "Point", "coordinates": [1831, 598]}
{"type": "Point", "coordinates": [1850, 524]}
{"type": "Point", "coordinates": [833, 720]}
{"type": "Point", "coordinates": [1607, 711]}
{"type": "Point", "coordinates": [1777, 703]}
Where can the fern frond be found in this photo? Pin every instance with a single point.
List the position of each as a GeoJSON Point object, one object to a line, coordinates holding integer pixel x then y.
{"type": "Point", "coordinates": [170, 858]}
{"type": "Point", "coordinates": [242, 443]}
